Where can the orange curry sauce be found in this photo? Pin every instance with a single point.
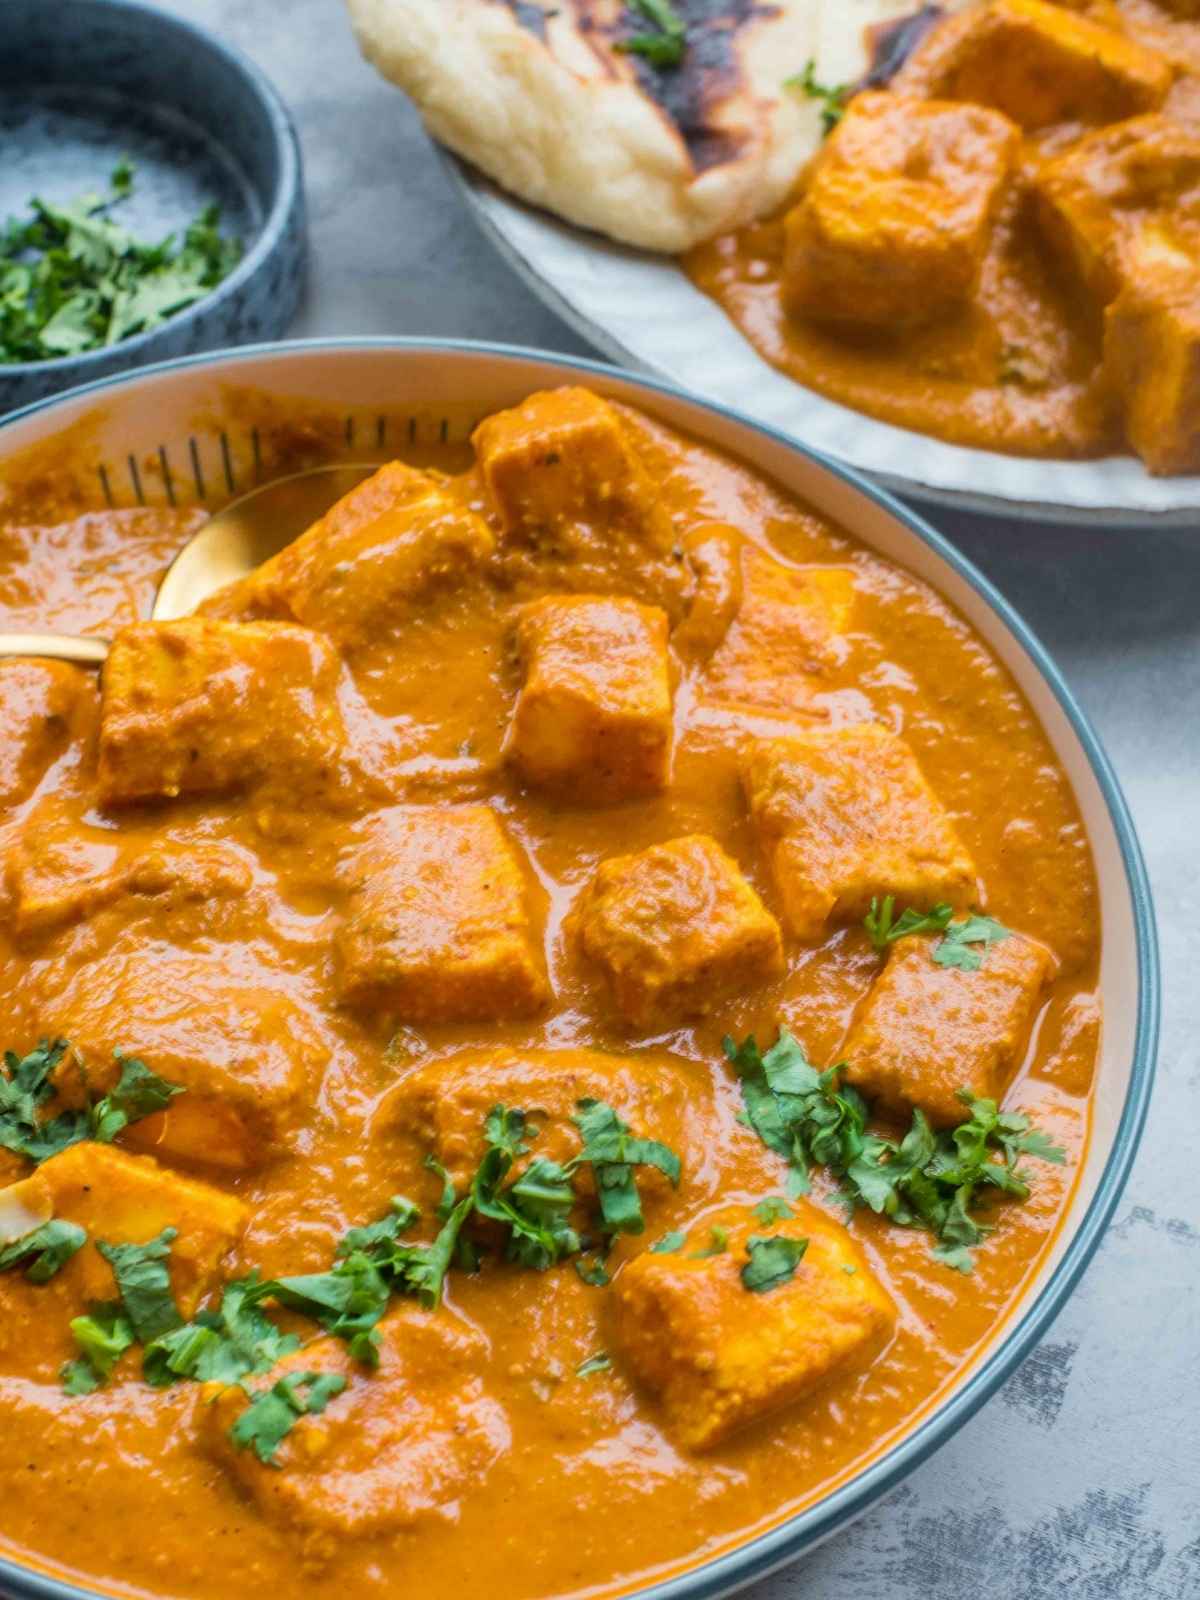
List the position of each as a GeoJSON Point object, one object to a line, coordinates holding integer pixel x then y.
{"type": "Point", "coordinates": [1019, 364]}
{"type": "Point", "coordinates": [223, 956]}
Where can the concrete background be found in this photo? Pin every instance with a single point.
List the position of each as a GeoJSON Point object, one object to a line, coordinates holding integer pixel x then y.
{"type": "Point", "coordinates": [1081, 1478]}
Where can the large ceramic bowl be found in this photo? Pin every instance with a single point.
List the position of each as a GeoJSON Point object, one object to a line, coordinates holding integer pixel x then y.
{"type": "Point", "coordinates": [184, 430]}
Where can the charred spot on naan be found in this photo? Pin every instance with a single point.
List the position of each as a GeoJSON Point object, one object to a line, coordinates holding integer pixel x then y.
{"type": "Point", "coordinates": [710, 74]}
{"type": "Point", "coordinates": [530, 17]}
{"type": "Point", "coordinates": [891, 44]}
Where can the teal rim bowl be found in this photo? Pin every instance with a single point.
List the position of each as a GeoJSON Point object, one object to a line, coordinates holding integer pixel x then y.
{"type": "Point", "coordinates": [363, 376]}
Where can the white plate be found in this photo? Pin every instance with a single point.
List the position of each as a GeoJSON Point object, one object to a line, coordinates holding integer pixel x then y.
{"type": "Point", "coordinates": [642, 311]}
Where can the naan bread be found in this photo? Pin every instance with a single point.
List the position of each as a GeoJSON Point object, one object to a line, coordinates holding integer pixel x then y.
{"type": "Point", "coordinates": [537, 97]}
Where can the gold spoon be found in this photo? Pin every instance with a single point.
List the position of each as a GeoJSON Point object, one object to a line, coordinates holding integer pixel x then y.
{"type": "Point", "coordinates": [243, 535]}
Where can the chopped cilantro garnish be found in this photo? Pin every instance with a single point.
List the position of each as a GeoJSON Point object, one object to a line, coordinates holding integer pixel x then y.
{"type": "Point", "coordinates": [45, 1250]}
{"type": "Point", "coordinates": [717, 1245]}
{"type": "Point", "coordinates": [401, 1215]}
{"type": "Point", "coordinates": [668, 1243]}
{"type": "Point", "coordinates": [25, 1085]}
{"type": "Point", "coordinates": [613, 1153]}
{"type": "Point", "coordinates": [144, 1284]}
{"type": "Point", "coordinates": [884, 927]}
{"type": "Point", "coordinates": [536, 1207]}
{"type": "Point", "coordinates": [593, 1270]}
{"type": "Point", "coordinates": [228, 1343]}
{"type": "Point", "coordinates": [965, 943]}
{"type": "Point", "coordinates": [137, 1093]}
{"type": "Point", "coordinates": [274, 1412]}
{"type": "Point", "coordinates": [28, 1082]}
{"type": "Point", "coordinates": [222, 1344]}
{"type": "Point", "coordinates": [103, 1336]}
{"type": "Point", "coordinates": [927, 1179]}
{"type": "Point", "coordinates": [773, 1261]}
{"type": "Point", "coordinates": [772, 1209]}
{"type": "Point", "coordinates": [666, 45]}
{"type": "Point", "coordinates": [600, 1362]}
{"type": "Point", "coordinates": [832, 98]}
{"type": "Point", "coordinates": [71, 279]}
{"type": "Point", "coordinates": [957, 947]}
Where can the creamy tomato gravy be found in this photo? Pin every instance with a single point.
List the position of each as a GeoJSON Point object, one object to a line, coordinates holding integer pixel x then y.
{"type": "Point", "coordinates": [587, 1490]}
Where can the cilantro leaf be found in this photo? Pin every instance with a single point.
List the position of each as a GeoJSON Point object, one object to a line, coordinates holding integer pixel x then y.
{"type": "Point", "coordinates": [28, 1083]}
{"type": "Point", "coordinates": [401, 1216]}
{"type": "Point", "coordinates": [71, 279]}
{"type": "Point", "coordinates": [804, 1115]}
{"type": "Point", "coordinates": [832, 98]}
{"type": "Point", "coordinates": [593, 1270]}
{"type": "Point", "coordinates": [928, 1179]}
{"type": "Point", "coordinates": [221, 1345]}
{"type": "Point", "coordinates": [884, 927]}
{"type": "Point", "coordinates": [103, 1336]}
{"type": "Point", "coordinates": [717, 1245]}
{"type": "Point", "coordinates": [668, 1243]}
{"type": "Point", "coordinates": [274, 1412]}
{"type": "Point", "coordinates": [958, 948]}
{"type": "Point", "coordinates": [612, 1152]}
{"type": "Point", "coordinates": [772, 1209]}
{"type": "Point", "coordinates": [536, 1207]}
{"type": "Point", "coordinates": [665, 46]}
{"type": "Point", "coordinates": [773, 1261]}
{"type": "Point", "coordinates": [45, 1250]}
{"type": "Point", "coordinates": [144, 1284]}
{"type": "Point", "coordinates": [449, 1195]}
{"type": "Point", "coordinates": [600, 1362]}
{"type": "Point", "coordinates": [347, 1301]}
{"type": "Point", "coordinates": [137, 1093]}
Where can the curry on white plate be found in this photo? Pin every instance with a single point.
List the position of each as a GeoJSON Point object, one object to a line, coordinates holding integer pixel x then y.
{"type": "Point", "coordinates": [547, 1026]}
{"type": "Point", "coordinates": [975, 222]}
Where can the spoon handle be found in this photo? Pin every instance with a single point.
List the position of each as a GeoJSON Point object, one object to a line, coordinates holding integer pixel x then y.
{"type": "Point", "coordinates": [59, 646]}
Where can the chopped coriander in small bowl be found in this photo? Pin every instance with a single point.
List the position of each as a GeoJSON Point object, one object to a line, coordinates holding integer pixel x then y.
{"type": "Point", "coordinates": [150, 195]}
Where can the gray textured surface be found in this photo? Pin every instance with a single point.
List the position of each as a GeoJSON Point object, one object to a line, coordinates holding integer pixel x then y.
{"type": "Point", "coordinates": [1081, 1479]}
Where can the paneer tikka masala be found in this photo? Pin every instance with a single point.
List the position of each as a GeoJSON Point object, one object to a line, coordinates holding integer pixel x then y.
{"type": "Point", "coordinates": [546, 1028]}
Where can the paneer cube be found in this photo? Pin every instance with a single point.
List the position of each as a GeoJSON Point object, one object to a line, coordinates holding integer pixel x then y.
{"type": "Point", "coordinates": [896, 216]}
{"type": "Point", "coordinates": [1152, 351]}
{"type": "Point", "coordinates": [397, 1446]}
{"type": "Point", "coordinates": [1039, 64]}
{"type": "Point", "coordinates": [677, 931]}
{"type": "Point", "coordinates": [202, 707]}
{"type": "Point", "coordinates": [566, 482]}
{"type": "Point", "coordinates": [925, 1031]}
{"type": "Point", "coordinates": [562, 456]}
{"type": "Point", "coordinates": [441, 1107]}
{"type": "Point", "coordinates": [438, 925]}
{"type": "Point", "coordinates": [593, 718]}
{"type": "Point", "coordinates": [381, 551]}
{"type": "Point", "coordinates": [787, 638]}
{"type": "Point", "coordinates": [719, 1356]}
{"type": "Point", "coordinates": [247, 1056]}
{"type": "Point", "coordinates": [127, 1199]}
{"type": "Point", "coordinates": [40, 704]}
{"type": "Point", "coordinates": [845, 814]}
{"type": "Point", "coordinates": [1137, 180]}
{"type": "Point", "coordinates": [59, 875]}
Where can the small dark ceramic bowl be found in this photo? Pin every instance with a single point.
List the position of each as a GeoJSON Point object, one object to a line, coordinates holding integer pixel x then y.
{"type": "Point", "coordinates": [85, 82]}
